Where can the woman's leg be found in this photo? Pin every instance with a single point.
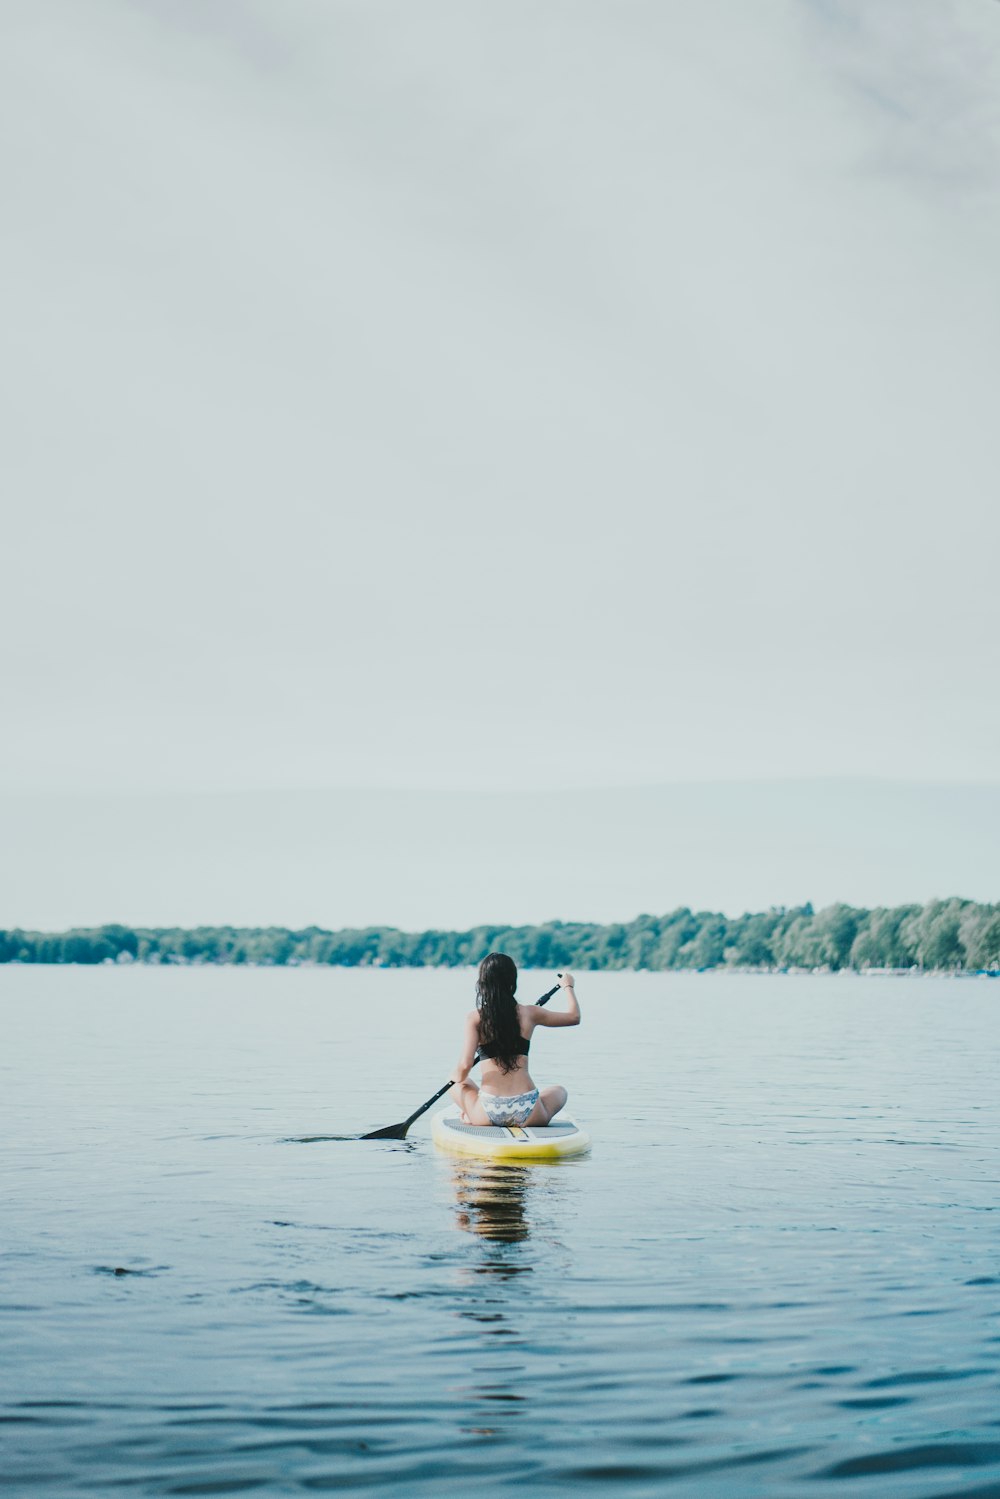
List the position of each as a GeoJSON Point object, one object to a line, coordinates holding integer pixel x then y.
{"type": "Point", "coordinates": [466, 1095]}
{"type": "Point", "coordinates": [550, 1101]}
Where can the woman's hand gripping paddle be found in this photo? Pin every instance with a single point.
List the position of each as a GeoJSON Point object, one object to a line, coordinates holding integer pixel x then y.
{"type": "Point", "coordinates": [398, 1131]}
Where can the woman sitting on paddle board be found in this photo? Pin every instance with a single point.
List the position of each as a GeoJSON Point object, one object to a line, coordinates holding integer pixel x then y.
{"type": "Point", "coordinates": [500, 1030]}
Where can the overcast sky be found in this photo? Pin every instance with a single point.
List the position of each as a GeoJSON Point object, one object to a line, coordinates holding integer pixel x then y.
{"type": "Point", "coordinates": [498, 395]}
{"type": "Point", "coordinates": [420, 859]}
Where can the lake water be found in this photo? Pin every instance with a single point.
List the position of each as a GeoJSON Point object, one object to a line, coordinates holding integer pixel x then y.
{"type": "Point", "coordinates": [791, 1288]}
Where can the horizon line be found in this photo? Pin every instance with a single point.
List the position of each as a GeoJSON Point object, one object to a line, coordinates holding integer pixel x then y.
{"type": "Point", "coordinates": [596, 788]}
{"type": "Point", "coordinates": [803, 907]}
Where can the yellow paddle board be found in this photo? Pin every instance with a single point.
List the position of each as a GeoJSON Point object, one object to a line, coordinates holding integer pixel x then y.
{"type": "Point", "coordinates": [495, 1142]}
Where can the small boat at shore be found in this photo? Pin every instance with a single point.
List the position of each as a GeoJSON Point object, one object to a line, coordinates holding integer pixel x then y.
{"type": "Point", "coordinates": [495, 1142]}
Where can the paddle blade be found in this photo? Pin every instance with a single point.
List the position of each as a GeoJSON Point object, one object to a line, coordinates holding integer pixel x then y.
{"type": "Point", "coordinates": [393, 1132]}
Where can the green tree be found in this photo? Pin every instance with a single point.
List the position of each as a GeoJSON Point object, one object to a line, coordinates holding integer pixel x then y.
{"type": "Point", "coordinates": [933, 932]}
{"type": "Point", "coordinates": [979, 937]}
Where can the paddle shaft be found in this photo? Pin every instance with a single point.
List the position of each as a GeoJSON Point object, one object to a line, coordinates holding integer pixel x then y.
{"type": "Point", "coordinates": [450, 1083]}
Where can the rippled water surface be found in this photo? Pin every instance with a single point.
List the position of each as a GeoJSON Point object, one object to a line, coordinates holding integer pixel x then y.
{"type": "Point", "coordinates": [777, 1274]}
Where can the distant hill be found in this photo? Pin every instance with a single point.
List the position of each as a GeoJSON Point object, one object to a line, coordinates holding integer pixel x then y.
{"type": "Point", "coordinates": [952, 935]}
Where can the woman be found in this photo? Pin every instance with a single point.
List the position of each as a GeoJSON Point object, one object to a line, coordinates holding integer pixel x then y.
{"type": "Point", "coordinates": [500, 1030]}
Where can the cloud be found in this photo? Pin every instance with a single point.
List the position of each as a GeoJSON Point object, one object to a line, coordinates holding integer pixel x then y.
{"type": "Point", "coordinates": [385, 382]}
{"type": "Point", "coordinates": [929, 73]}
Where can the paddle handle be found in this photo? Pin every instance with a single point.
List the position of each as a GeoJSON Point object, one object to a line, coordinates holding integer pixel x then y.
{"type": "Point", "coordinates": [450, 1083]}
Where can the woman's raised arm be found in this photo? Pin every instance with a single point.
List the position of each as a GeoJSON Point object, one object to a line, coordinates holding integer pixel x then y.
{"type": "Point", "coordinates": [570, 1016]}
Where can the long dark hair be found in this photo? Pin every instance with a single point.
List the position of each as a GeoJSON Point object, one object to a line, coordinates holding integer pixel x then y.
{"type": "Point", "coordinates": [499, 1028]}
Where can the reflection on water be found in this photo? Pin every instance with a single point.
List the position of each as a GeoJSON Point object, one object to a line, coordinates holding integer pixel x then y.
{"type": "Point", "coordinates": [789, 1288]}
{"type": "Point", "coordinates": [491, 1199]}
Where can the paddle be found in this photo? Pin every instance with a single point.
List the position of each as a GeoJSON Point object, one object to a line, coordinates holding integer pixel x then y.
{"type": "Point", "coordinates": [398, 1131]}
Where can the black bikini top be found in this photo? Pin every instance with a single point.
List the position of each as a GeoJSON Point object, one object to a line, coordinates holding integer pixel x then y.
{"type": "Point", "coordinates": [489, 1051]}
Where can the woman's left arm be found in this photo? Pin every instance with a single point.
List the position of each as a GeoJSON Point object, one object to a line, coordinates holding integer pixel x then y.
{"type": "Point", "coordinates": [470, 1045]}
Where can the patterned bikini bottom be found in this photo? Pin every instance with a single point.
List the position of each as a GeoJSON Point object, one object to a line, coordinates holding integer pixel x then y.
{"type": "Point", "coordinates": [513, 1108]}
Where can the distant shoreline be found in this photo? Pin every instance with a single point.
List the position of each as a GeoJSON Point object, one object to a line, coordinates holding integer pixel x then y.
{"type": "Point", "coordinates": [953, 936]}
{"type": "Point", "coordinates": [309, 966]}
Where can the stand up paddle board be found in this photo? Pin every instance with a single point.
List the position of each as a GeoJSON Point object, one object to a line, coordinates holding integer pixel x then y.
{"type": "Point", "coordinates": [509, 1142]}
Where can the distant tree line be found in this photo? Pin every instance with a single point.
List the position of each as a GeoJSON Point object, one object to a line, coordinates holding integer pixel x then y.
{"type": "Point", "coordinates": [951, 935]}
